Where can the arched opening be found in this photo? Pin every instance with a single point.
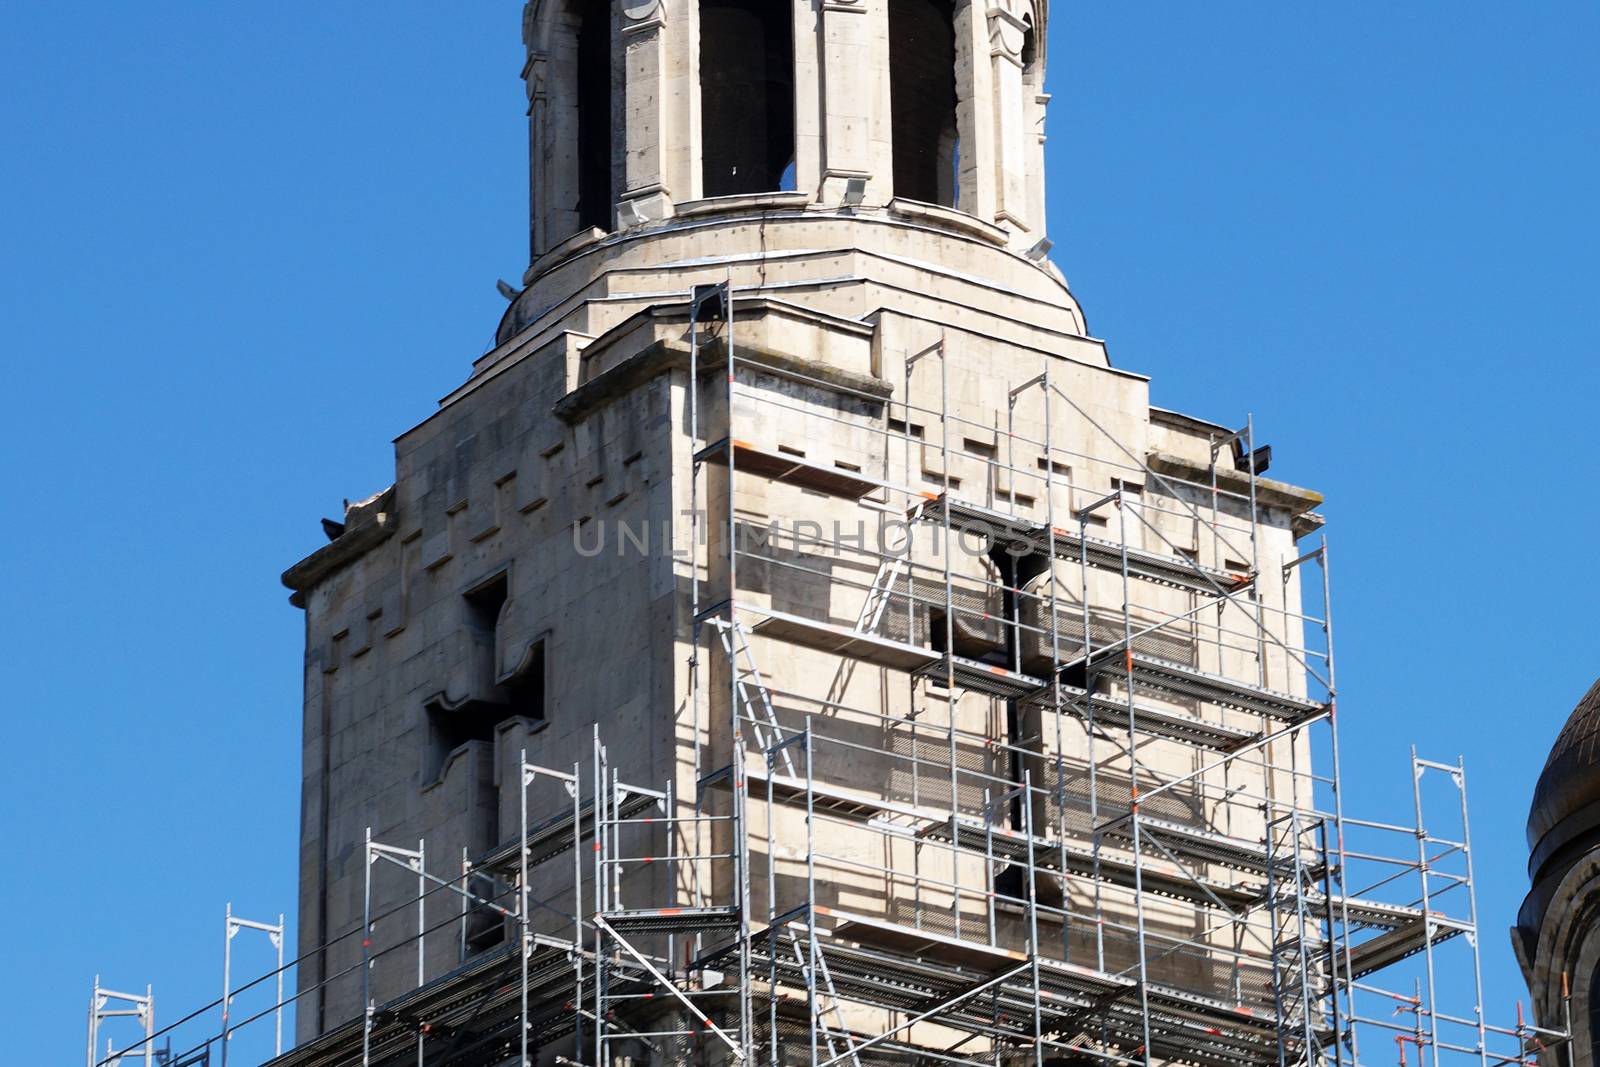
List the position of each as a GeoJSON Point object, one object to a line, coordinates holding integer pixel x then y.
{"type": "Point", "coordinates": [594, 116]}
{"type": "Point", "coordinates": [746, 96]}
{"type": "Point", "coordinates": [922, 94]}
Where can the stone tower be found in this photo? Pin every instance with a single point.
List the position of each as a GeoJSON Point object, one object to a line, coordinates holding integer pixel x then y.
{"type": "Point", "coordinates": [796, 477]}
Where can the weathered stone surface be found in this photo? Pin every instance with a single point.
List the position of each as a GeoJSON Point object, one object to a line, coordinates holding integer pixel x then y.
{"type": "Point", "coordinates": [531, 575]}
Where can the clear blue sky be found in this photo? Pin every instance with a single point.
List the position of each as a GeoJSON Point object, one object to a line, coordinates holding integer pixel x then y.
{"type": "Point", "coordinates": [244, 246]}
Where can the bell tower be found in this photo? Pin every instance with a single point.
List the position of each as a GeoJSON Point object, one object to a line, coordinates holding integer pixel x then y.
{"type": "Point", "coordinates": [762, 597]}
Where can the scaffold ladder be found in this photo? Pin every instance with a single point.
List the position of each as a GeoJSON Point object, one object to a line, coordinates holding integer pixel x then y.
{"type": "Point", "coordinates": [755, 700]}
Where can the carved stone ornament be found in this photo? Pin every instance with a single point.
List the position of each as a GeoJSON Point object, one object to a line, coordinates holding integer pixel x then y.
{"type": "Point", "coordinates": [644, 11]}
{"type": "Point", "coordinates": [1006, 34]}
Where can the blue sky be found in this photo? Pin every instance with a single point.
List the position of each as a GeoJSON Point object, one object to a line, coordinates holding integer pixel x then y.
{"type": "Point", "coordinates": [244, 246]}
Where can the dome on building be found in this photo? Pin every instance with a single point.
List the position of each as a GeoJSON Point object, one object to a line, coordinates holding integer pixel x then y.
{"type": "Point", "coordinates": [1570, 782]}
{"type": "Point", "coordinates": [1564, 819]}
{"type": "Point", "coordinates": [1557, 935]}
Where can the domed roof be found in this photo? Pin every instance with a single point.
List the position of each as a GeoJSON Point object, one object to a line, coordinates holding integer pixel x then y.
{"type": "Point", "coordinates": [1570, 781]}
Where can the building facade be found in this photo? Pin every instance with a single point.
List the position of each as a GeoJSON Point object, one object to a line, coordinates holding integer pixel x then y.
{"type": "Point", "coordinates": [864, 665]}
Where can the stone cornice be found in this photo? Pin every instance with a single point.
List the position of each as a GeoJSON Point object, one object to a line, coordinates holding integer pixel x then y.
{"type": "Point", "coordinates": [367, 525]}
{"type": "Point", "coordinates": [1269, 492]}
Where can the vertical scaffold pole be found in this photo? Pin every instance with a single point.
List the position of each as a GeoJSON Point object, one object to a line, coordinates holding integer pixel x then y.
{"type": "Point", "coordinates": [1089, 733]}
{"type": "Point", "coordinates": [422, 926]}
{"type": "Point", "coordinates": [94, 1023]}
{"type": "Point", "coordinates": [741, 784]}
{"type": "Point", "coordinates": [277, 1021]}
{"type": "Point", "coordinates": [1302, 930]}
{"type": "Point", "coordinates": [1273, 932]}
{"type": "Point", "coordinates": [227, 968]}
{"type": "Point", "coordinates": [466, 887]}
{"type": "Point", "coordinates": [770, 758]}
{"type": "Point", "coordinates": [1330, 894]}
{"type": "Point", "coordinates": [952, 694]}
{"type": "Point", "coordinates": [1033, 921]}
{"type": "Point", "coordinates": [597, 817]}
{"type": "Point", "coordinates": [1133, 782]}
{"type": "Point", "coordinates": [366, 958]}
{"type": "Point", "coordinates": [1255, 551]}
{"type": "Point", "coordinates": [577, 909]}
{"type": "Point", "coordinates": [524, 931]}
{"type": "Point", "coordinates": [1342, 948]}
{"type": "Point", "coordinates": [693, 556]}
{"type": "Point", "coordinates": [1426, 905]}
{"type": "Point", "coordinates": [740, 779]}
{"type": "Point", "coordinates": [812, 950]}
{"type": "Point", "coordinates": [1060, 790]}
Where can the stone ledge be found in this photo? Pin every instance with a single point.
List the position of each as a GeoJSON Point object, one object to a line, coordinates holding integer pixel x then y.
{"type": "Point", "coordinates": [561, 250]}
{"type": "Point", "coordinates": [718, 205]}
{"type": "Point", "coordinates": [368, 524]}
{"type": "Point", "coordinates": [952, 218]}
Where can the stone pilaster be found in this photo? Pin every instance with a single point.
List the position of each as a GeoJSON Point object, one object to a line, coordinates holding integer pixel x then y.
{"type": "Point", "coordinates": [1009, 153]}
{"type": "Point", "coordinates": [643, 32]}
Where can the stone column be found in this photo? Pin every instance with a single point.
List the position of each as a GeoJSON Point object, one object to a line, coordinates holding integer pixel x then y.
{"type": "Point", "coordinates": [1006, 33]}
{"type": "Point", "coordinates": [644, 121]}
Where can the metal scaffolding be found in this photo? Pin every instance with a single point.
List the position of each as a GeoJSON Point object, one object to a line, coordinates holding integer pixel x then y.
{"type": "Point", "coordinates": [1091, 831]}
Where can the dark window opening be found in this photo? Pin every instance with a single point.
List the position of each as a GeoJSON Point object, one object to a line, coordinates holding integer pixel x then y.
{"type": "Point", "coordinates": [520, 691]}
{"type": "Point", "coordinates": [922, 87]}
{"type": "Point", "coordinates": [594, 116]}
{"type": "Point", "coordinates": [482, 620]}
{"type": "Point", "coordinates": [746, 96]}
{"type": "Point", "coordinates": [450, 728]}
